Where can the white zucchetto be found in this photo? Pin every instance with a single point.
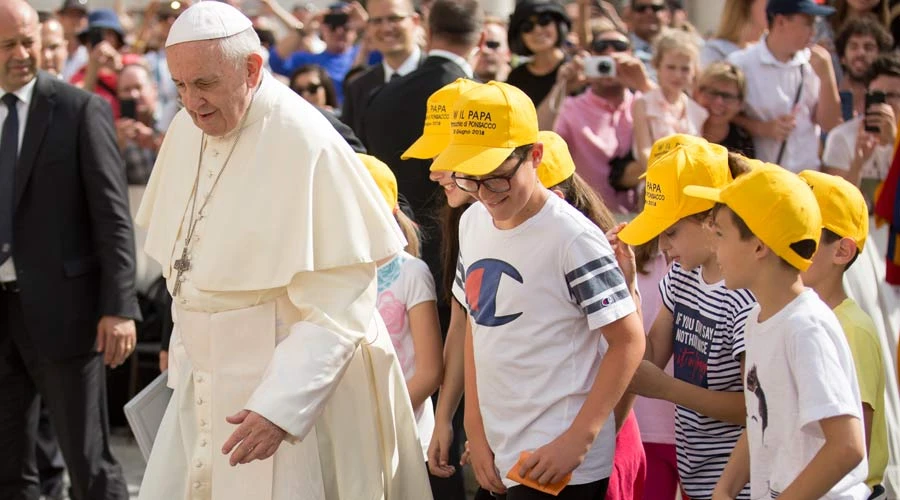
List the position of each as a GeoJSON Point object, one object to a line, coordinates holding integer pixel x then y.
{"type": "Point", "coordinates": [207, 20]}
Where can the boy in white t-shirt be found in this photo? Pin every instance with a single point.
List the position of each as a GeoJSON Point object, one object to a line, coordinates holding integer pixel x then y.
{"type": "Point", "coordinates": [804, 435]}
{"type": "Point", "coordinates": [542, 288]}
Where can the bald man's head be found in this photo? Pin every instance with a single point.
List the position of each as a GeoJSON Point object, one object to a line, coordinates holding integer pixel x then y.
{"type": "Point", "coordinates": [20, 44]}
{"type": "Point", "coordinates": [54, 48]}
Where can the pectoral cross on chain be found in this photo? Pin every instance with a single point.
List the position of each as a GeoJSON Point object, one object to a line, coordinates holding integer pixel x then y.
{"type": "Point", "coordinates": [182, 265]}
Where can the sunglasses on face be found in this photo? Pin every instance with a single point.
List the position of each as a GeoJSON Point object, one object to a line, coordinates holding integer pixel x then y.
{"type": "Point", "coordinates": [600, 46]}
{"type": "Point", "coordinates": [311, 88]}
{"type": "Point", "coordinates": [542, 20]}
{"type": "Point", "coordinates": [644, 7]}
{"type": "Point", "coordinates": [492, 44]}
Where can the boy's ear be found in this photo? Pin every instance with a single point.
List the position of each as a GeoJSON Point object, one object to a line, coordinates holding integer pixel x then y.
{"type": "Point", "coordinates": [844, 252]}
{"type": "Point", "coordinates": [761, 251]}
{"type": "Point", "coordinates": [537, 153]}
{"type": "Point", "coordinates": [558, 192]}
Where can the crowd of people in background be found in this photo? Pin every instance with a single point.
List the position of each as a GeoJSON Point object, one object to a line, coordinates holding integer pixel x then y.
{"type": "Point", "coordinates": [813, 87]}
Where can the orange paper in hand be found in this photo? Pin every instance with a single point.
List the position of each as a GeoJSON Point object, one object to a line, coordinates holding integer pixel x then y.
{"type": "Point", "coordinates": [552, 488]}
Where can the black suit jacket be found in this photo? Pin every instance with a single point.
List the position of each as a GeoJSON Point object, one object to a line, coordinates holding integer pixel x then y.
{"type": "Point", "coordinates": [394, 119]}
{"type": "Point", "coordinates": [73, 241]}
{"type": "Point", "coordinates": [359, 91]}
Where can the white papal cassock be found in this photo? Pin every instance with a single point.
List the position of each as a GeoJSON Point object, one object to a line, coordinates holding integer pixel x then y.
{"type": "Point", "coordinates": [277, 314]}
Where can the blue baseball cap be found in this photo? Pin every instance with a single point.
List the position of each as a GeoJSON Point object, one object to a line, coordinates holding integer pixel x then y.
{"type": "Point", "coordinates": [786, 7]}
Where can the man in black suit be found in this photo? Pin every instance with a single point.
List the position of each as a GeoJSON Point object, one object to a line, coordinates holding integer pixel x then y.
{"type": "Point", "coordinates": [392, 27]}
{"type": "Point", "coordinates": [395, 116]}
{"type": "Point", "coordinates": [394, 120]}
{"type": "Point", "coordinates": [67, 300]}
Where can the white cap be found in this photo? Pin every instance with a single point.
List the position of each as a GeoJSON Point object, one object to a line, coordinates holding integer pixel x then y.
{"type": "Point", "coordinates": [207, 20]}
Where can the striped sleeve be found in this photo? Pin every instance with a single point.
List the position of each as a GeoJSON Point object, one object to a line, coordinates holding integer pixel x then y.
{"type": "Point", "coordinates": [459, 282]}
{"type": "Point", "coordinates": [743, 304]}
{"type": "Point", "coordinates": [595, 282]}
{"type": "Point", "coordinates": [665, 288]}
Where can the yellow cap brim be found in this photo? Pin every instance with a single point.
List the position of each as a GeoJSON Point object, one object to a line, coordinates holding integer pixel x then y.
{"type": "Point", "coordinates": [471, 160]}
{"type": "Point", "coordinates": [645, 227]}
{"type": "Point", "coordinates": [704, 192]}
{"type": "Point", "coordinates": [426, 147]}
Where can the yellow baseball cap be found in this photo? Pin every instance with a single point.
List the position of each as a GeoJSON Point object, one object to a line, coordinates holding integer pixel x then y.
{"type": "Point", "coordinates": [676, 161]}
{"type": "Point", "coordinates": [844, 210]}
{"type": "Point", "coordinates": [384, 179]}
{"type": "Point", "coordinates": [488, 123]}
{"type": "Point", "coordinates": [557, 164]}
{"type": "Point", "coordinates": [436, 134]}
{"type": "Point", "coordinates": [777, 206]}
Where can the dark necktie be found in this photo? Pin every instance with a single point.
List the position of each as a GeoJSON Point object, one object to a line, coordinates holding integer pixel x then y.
{"type": "Point", "coordinates": [394, 77]}
{"type": "Point", "coordinates": [9, 152]}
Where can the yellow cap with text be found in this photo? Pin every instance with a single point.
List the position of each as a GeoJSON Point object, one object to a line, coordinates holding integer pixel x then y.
{"type": "Point", "coordinates": [488, 123]}
{"type": "Point", "coordinates": [557, 164]}
{"type": "Point", "coordinates": [675, 162]}
{"type": "Point", "coordinates": [436, 134]}
{"type": "Point", "coordinates": [384, 179]}
{"type": "Point", "coordinates": [778, 207]}
{"type": "Point", "coordinates": [844, 210]}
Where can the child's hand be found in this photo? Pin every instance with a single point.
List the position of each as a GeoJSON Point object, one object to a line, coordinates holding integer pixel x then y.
{"type": "Point", "coordinates": [486, 473]}
{"type": "Point", "coordinates": [550, 463]}
{"type": "Point", "coordinates": [439, 450]}
{"type": "Point", "coordinates": [624, 256]}
{"type": "Point", "coordinates": [649, 381]}
{"type": "Point", "coordinates": [464, 459]}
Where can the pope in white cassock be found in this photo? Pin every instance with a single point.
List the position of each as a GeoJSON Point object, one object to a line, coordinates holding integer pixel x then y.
{"type": "Point", "coordinates": [268, 228]}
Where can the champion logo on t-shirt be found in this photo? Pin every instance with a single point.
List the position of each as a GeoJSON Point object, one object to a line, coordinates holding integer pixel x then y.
{"type": "Point", "coordinates": [482, 284]}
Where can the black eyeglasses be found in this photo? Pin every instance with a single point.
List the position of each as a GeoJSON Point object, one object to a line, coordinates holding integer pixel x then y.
{"type": "Point", "coordinates": [542, 20]}
{"type": "Point", "coordinates": [643, 7]}
{"type": "Point", "coordinates": [392, 19]}
{"type": "Point", "coordinates": [725, 96]}
{"type": "Point", "coordinates": [311, 88]}
{"type": "Point", "coordinates": [495, 184]}
{"type": "Point", "coordinates": [600, 46]}
{"type": "Point", "coordinates": [492, 44]}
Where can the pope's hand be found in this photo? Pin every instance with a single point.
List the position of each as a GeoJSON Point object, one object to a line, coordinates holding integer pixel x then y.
{"type": "Point", "coordinates": [256, 438]}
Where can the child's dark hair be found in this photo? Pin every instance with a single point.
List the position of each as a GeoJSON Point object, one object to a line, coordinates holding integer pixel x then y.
{"type": "Point", "coordinates": [579, 194]}
{"type": "Point", "coordinates": [410, 231]}
{"type": "Point", "coordinates": [829, 237]}
{"type": "Point", "coordinates": [448, 219]}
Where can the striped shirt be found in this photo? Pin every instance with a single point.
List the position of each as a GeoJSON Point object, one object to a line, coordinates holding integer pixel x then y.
{"type": "Point", "coordinates": [536, 294]}
{"type": "Point", "coordinates": [708, 346]}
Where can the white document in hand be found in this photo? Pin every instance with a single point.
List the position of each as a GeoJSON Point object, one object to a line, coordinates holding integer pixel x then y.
{"type": "Point", "coordinates": [145, 412]}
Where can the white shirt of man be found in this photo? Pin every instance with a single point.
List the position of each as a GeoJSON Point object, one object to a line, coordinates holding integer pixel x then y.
{"type": "Point", "coordinates": [536, 295]}
{"type": "Point", "coordinates": [407, 67]}
{"type": "Point", "coordinates": [840, 150]}
{"type": "Point", "coordinates": [799, 371]}
{"type": "Point", "coordinates": [771, 91]}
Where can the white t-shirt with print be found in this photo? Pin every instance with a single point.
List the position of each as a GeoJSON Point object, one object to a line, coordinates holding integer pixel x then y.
{"type": "Point", "coordinates": [535, 295]}
{"type": "Point", "coordinates": [403, 283]}
{"type": "Point", "coordinates": [799, 371]}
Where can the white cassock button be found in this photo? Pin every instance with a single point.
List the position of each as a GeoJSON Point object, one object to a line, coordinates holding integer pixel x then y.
{"type": "Point", "coordinates": [203, 443]}
{"type": "Point", "coordinates": [197, 485]}
{"type": "Point", "coordinates": [202, 423]}
{"type": "Point", "coordinates": [199, 464]}
{"type": "Point", "coordinates": [200, 379]}
{"type": "Point", "coordinates": [200, 401]}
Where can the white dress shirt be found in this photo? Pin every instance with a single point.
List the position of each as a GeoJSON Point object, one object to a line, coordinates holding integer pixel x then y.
{"type": "Point", "coordinates": [8, 268]}
{"type": "Point", "coordinates": [771, 90]}
{"type": "Point", "coordinates": [407, 67]}
{"type": "Point", "coordinates": [459, 60]}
